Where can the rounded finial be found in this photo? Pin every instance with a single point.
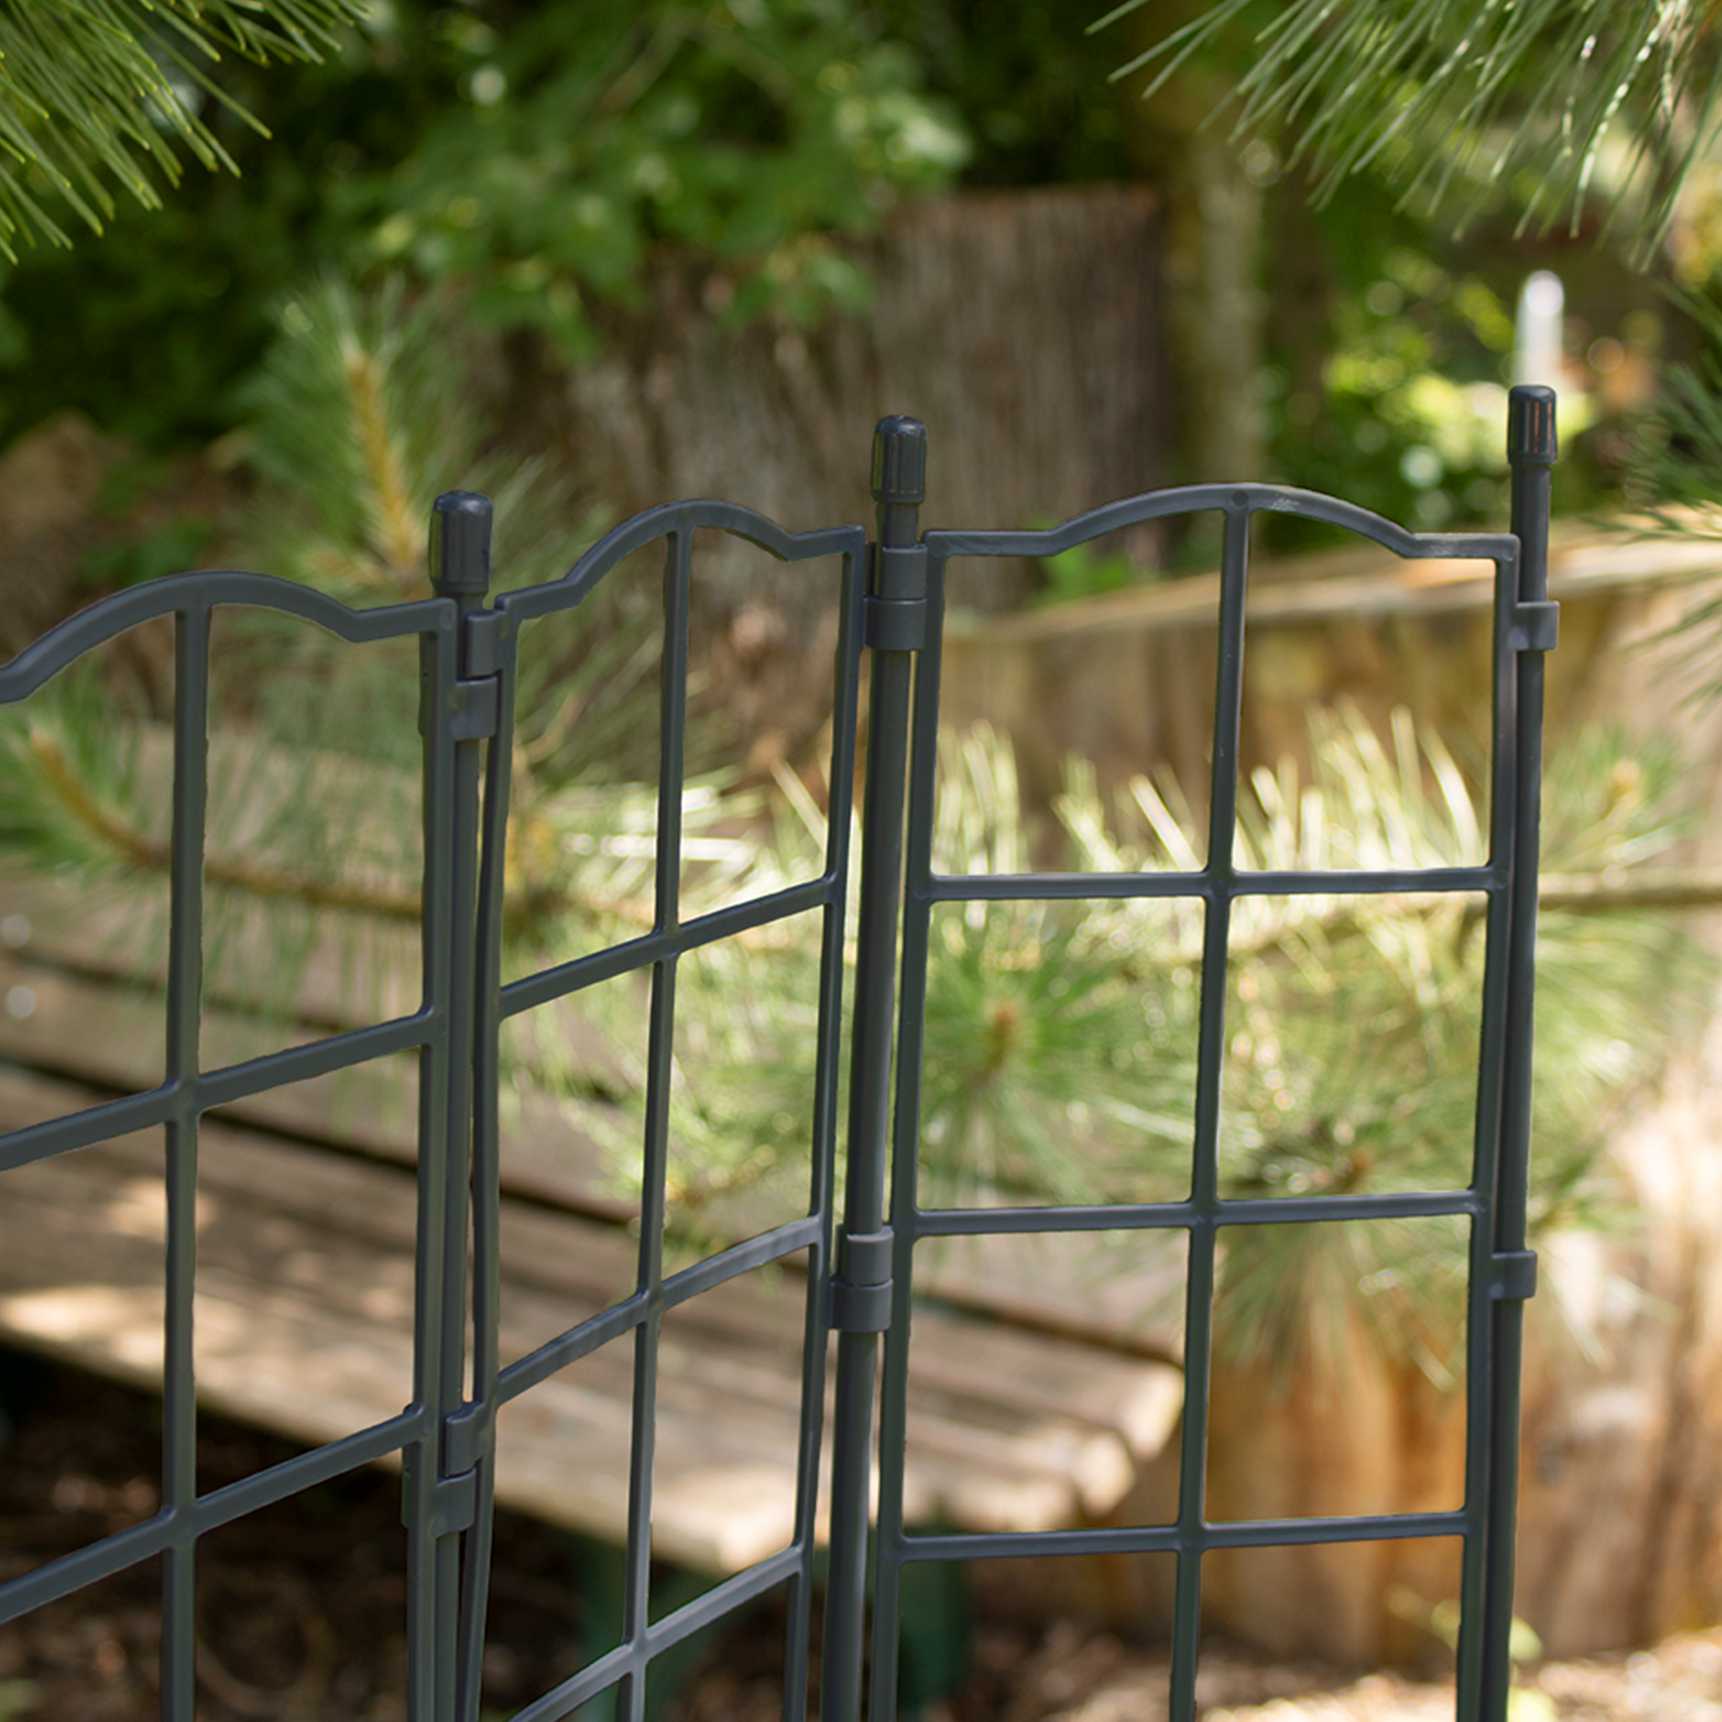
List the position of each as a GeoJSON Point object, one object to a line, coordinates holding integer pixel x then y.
{"type": "Point", "coordinates": [1531, 432]}
{"type": "Point", "coordinates": [460, 544]}
{"type": "Point", "coordinates": [899, 460]}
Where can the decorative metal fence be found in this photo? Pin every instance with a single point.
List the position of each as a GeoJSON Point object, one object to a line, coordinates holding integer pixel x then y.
{"type": "Point", "coordinates": [860, 1252]}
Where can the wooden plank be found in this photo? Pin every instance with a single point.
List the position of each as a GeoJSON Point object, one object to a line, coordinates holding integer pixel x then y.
{"type": "Point", "coordinates": [304, 1324]}
{"type": "Point", "coordinates": [354, 970]}
{"type": "Point", "coordinates": [552, 1153]}
{"type": "Point", "coordinates": [84, 1029]}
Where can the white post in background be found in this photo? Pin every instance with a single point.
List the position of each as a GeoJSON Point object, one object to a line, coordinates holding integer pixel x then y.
{"type": "Point", "coordinates": [1537, 348]}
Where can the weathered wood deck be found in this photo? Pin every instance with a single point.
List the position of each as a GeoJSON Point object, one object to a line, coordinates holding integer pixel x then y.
{"type": "Point", "coordinates": [304, 1292]}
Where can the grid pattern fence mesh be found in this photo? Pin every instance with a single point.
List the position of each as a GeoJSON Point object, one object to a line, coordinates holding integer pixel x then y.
{"type": "Point", "coordinates": [859, 1249]}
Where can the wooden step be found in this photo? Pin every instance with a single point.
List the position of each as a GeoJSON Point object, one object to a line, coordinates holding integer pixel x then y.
{"type": "Point", "coordinates": [303, 1318]}
{"type": "Point", "coordinates": [72, 1014]}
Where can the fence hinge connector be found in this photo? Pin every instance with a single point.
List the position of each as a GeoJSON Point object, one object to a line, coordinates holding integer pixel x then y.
{"type": "Point", "coordinates": [1515, 1276]}
{"type": "Point", "coordinates": [482, 641]}
{"type": "Point", "coordinates": [895, 609]}
{"type": "Point", "coordinates": [467, 1437]}
{"type": "Point", "coordinates": [861, 1288]}
{"type": "Point", "coordinates": [1536, 625]}
{"type": "Point", "coordinates": [477, 708]}
{"type": "Point", "coordinates": [454, 1504]}
{"type": "Point", "coordinates": [475, 697]}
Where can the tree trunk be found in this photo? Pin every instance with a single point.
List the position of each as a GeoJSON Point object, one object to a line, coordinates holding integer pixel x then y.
{"type": "Point", "coordinates": [1214, 302]}
{"type": "Point", "coordinates": [1023, 327]}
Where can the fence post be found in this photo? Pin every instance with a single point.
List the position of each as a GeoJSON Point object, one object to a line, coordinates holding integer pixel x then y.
{"type": "Point", "coordinates": [896, 606]}
{"type": "Point", "coordinates": [1531, 449]}
{"type": "Point", "coordinates": [459, 569]}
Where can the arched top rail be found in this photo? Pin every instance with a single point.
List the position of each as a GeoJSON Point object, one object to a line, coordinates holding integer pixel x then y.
{"type": "Point", "coordinates": [1229, 498]}
{"type": "Point", "coordinates": [179, 594]}
{"type": "Point", "coordinates": [664, 521]}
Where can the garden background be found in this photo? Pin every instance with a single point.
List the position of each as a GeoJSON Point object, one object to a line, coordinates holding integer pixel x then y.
{"type": "Point", "coordinates": [588, 258]}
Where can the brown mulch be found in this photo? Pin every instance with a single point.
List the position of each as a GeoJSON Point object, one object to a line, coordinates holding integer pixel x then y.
{"type": "Point", "coordinates": [301, 1607]}
{"type": "Point", "coordinates": [301, 1611]}
{"type": "Point", "coordinates": [1070, 1673]}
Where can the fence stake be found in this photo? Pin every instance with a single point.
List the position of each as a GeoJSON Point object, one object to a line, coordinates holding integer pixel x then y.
{"type": "Point", "coordinates": [460, 569]}
{"type": "Point", "coordinates": [896, 583]}
{"type": "Point", "coordinates": [1531, 449]}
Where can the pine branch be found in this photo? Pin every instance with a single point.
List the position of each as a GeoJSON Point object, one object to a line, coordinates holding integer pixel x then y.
{"type": "Point", "coordinates": [1552, 96]}
{"type": "Point", "coordinates": [398, 523]}
{"type": "Point", "coordinates": [1650, 888]}
{"type": "Point", "coordinates": [1699, 888]}
{"type": "Point", "coordinates": [531, 911]}
{"type": "Point", "coordinates": [131, 847]}
{"type": "Point", "coordinates": [97, 96]}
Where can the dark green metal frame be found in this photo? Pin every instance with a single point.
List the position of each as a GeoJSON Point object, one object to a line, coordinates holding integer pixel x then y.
{"type": "Point", "coordinates": [891, 598]}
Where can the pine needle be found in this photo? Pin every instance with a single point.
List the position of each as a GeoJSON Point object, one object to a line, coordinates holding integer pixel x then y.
{"type": "Point", "coordinates": [98, 97]}
{"type": "Point", "coordinates": [1561, 100]}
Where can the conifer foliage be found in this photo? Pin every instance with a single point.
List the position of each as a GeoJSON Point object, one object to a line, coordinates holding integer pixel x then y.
{"type": "Point", "coordinates": [1555, 100]}
{"type": "Point", "coordinates": [103, 95]}
{"type": "Point", "coordinates": [1061, 1038]}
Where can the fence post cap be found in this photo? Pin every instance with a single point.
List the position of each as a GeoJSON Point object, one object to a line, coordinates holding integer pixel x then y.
{"type": "Point", "coordinates": [899, 460]}
{"type": "Point", "coordinates": [1531, 434]}
{"type": "Point", "coordinates": [460, 544]}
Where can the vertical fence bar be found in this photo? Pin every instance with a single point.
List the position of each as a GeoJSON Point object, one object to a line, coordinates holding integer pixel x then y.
{"type": "Point", "coordinates": [636, 1612]}
{"type": "Point", "coordinates": [899, 486]}
{"type": "Point", "coordinates": [1485, 1163]}
{"type": "Point", "coordinates": [1531, 448]}
{"type": "Point", "coordinates": [905, 1158]}
{"type": "Point", "coordinates": [823, 1137]}
{"type": "Point", "coordinates": [1210, 1067]}
{"type": "Point", "coordinates": [184, 1018]}
{"type": "Point", "coordinates": [660, 1057]}
{"type": "Point", "coordinates": [478, 1419]}
{"type": "Point", "coordinates": [460, 569]}
{"type": "Point", "coordinates": [438, 674]}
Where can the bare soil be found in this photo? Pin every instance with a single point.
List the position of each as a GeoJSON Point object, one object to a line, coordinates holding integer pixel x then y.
{"type": "Point", "coordinates": [301, 1611]}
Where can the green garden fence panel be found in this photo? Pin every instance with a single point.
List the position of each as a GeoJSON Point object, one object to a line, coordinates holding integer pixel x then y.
{"type": "Point", "coordinates": [860, 1241]}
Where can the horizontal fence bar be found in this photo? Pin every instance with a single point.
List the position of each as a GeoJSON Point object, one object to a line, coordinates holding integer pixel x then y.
{"type": "Point", "coordinates": [1301, 1533]}
{"type": "Point", "coordinates": [722, 1599]}
{"type": "Point", "coordinates": [1060, 887]}
{"type": "Point", "coordinates": [785, 1240]}
{"type": "Point", "coordinates": [1381, 1205]}
{"type": "Point", "coordinates": [546, 1360]}
{"type": "Point", "coordinates": [306, 1471]}
{"type": "Point", "coordinates": [316, 1058]}
{"type": "Point", "coordinates": [180, 594]}
{"type": "Point", "coordinates": [1387, 882]}
{"type": "Point", "coordinates": [556, 1354]}
{"type": "Point", "coordinates": [1168, 1539]}
{"type": "Point", "coordinates": [735, 1591]}
{"type": "Point", "coordinates": [94, 1124]}
{"type": "Point", "coordinates": [652, 525]}
{"type": "Point", "coordinates": [81, 1568]}
{"type": "Point", "coordinates": [234, 1082]}
{"type": "Point", "coordinates": [84, 1567]}
{"type": "Point", "coordinates": [1149, 1216]}
{"type": "Point", "coordinates": [1094, 887]}
{"type": "Point", "coordinates": [565, 978]}
{"type": "Point", "coordinates": [1208, 498]}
